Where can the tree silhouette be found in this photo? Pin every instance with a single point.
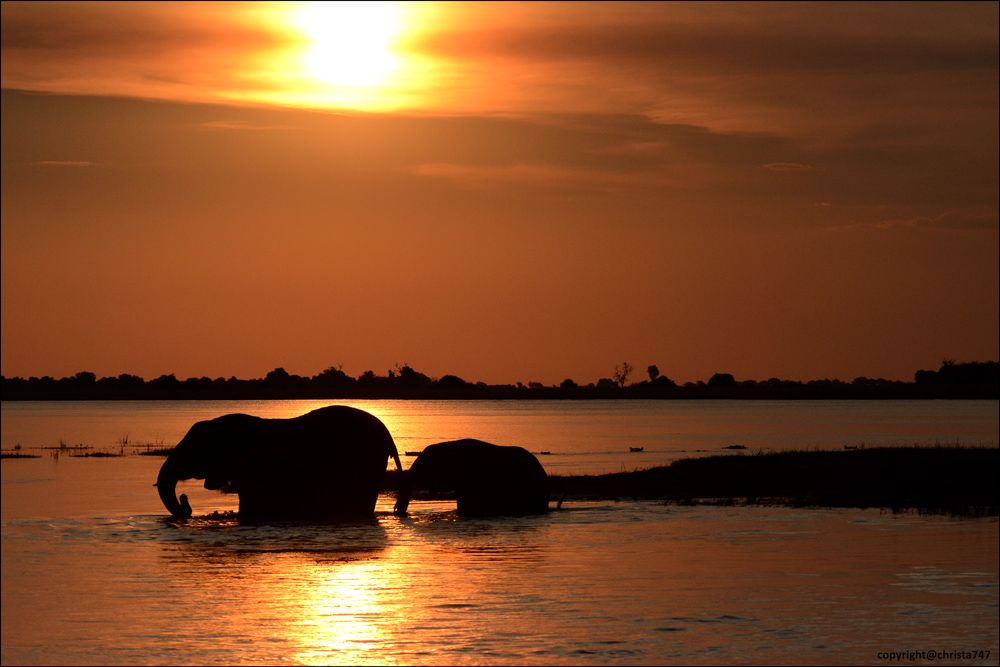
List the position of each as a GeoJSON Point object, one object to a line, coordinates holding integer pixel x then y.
{"type": "Point", "coordinates": [451, 382]}
{"type": "Point", "coordinates": [951, 380]}
{"type": "Point", "coordinates": [622, 372]}
{"type": "Point", "coordinates": [722, 380]}
{"type": "Point", "coordinates": [278, 376]}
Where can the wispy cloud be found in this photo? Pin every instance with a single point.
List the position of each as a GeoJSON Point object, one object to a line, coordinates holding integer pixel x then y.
{"type": "Point", "coordinates": [67, 163]}
{"type": "Point", "coordinates": [813, 40]}
{"type": "Point", "coordinates": [984, 219]}
{"type": "Point", "coordinates": [525, 174]}
{"type": "Point", "coordinates": [687, 177]}
{"type": "Point", "coordinates": [749, 68]}
{"type": "Point", "coordinates": [788, 166]}
{"type": "Point", "coordinates": [756, 67]}
{"type": "Point", "coordinates": [201, 52]}
{"type": "Point", "coordinates": [240, 125]}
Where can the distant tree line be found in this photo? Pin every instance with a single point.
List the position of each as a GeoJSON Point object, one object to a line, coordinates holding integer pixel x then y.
{"type": "Point", "coordinates": [951, 373]}
{"type": "Point", "coordinates": [952, 380]}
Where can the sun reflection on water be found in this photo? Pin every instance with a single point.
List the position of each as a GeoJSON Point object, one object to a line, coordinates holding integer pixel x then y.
{"type": "Point", "coordinates": [341, 617]}
{"type": "Point", "coordinates": [311, 593]}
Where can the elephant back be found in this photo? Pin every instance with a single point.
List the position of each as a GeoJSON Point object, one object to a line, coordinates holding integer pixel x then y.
{"type": "Point", "coordinates": [488, 479]}
{"type": "Point", "coordinates": [328, 463]}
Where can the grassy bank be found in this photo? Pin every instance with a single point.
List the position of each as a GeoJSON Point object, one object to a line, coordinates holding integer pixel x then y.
{"type": "Point", "coordinates": [955, 480]}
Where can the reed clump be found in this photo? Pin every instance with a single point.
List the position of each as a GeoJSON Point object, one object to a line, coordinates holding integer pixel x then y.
{"type": "Point", "coordinates": [18, 455]}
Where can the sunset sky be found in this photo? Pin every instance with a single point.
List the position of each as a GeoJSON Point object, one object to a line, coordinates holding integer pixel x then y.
{"type": "Point", "coordinates": [503, 192]}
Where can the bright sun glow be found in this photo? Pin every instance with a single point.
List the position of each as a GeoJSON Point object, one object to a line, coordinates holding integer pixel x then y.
{"type": "Point", "coordinates": [351, 41]}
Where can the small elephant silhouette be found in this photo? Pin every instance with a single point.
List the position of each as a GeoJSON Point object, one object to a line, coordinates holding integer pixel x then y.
{"type": "Point", "coordinates": [488, 480]}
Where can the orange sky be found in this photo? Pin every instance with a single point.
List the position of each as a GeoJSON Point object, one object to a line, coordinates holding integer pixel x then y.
{"type": "Point", "coordinates": [503, 192]}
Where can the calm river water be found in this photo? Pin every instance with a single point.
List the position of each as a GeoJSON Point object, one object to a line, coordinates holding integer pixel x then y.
{"type": "Point", "coordinates": [94, 573]}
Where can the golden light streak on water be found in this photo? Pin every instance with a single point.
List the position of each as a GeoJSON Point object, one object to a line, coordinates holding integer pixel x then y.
{"type": "Point", "coordinates": [341, 604]}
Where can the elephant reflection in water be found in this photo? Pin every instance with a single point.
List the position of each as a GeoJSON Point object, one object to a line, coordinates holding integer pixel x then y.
{"type": "Point", "coordinates": [327, 464]}
{"type": "Point", "coordinates": [488, 480]}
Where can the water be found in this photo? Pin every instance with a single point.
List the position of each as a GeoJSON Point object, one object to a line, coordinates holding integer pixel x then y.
{"type": "Point", "coordinates": [584, 437]}
{"type": "Point", "coordinates": [92, 572]}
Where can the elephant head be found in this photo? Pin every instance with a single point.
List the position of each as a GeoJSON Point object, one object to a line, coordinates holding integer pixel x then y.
{"type": "Point", "coordinates": [488, 480]}
{"type": "Point", "coordinates": [326, 464]}
{"type": "Point", "coordinates": [210, 451]}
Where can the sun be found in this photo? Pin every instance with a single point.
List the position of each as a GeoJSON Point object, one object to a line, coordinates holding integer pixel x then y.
{"type": "Point", "coordinates": [351, 42]}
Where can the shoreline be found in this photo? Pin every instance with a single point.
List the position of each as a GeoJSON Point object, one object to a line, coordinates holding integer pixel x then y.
{"type": "Point", "coordinates": [827, 392]}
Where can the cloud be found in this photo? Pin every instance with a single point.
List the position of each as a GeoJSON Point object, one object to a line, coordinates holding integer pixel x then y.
{"type": "Point", "coordinates": [661, 59]}
{"type": "Point", "coordinates": [199, 52]}
{"type": "Point", "coordinates": [830, 71]}
{"type": "Point", "coordinates": [241, 125]}
{"type": "Point", "coordinates": [686, 177]}
{"type": "Point", "coordinates": [525, 174]}
{"type": "Point", "coordinates": [788, 166]}
{"type": "Point", "coordinates": [983, 219]}
{"type": "Point", "coordinates": [67, 163]}
{"type": "Point", "coordinates": [811, 69]}
{"type": "Point", "coordinates": [722, 45]}
{"type": "Point", "coordinates": [124, 31]}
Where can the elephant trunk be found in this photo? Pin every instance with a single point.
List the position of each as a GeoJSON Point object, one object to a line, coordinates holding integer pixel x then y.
{"type": "Point", "coordinates": [401, 500]}
{"type": "Point", "coordinates": [166, 485]}
{"type": "Point", "coordinates": [395, 457]}
{"type": "Point", "coordinates": [405, 492]}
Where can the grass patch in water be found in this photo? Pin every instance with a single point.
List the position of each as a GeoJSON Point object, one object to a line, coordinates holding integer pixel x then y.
{"type": "Point", "coordinates": [938, 479]}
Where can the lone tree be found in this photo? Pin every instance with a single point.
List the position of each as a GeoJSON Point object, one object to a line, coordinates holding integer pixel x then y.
{"type": "Point", "coordinates": [654, 372]}
{"type": "Point", "coordinates": [622, 373]}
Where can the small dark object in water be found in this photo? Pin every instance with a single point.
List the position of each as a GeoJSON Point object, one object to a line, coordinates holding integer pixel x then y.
{"type": "Point", "coordinates": [412, 453]}
{"type": "Point", "coordinates": [635, 449]}
{"type": "Point", "coordinates": [545, 453]}
{"type": "Point", "coordinates": [736, 447]}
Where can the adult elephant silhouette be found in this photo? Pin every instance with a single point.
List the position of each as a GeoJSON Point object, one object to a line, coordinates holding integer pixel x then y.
{"type": "Point", "coordinates": [488, 480]}
{"type": "Point", "coordinates": [327, 464]}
